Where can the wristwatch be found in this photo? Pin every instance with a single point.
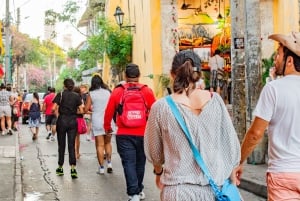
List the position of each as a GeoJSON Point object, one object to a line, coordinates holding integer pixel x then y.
{"type": "Point", "coordinates": [158, 174]}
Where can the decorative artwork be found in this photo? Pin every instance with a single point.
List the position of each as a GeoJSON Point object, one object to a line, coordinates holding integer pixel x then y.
{"type": "Point", "coordinates": [204, 53]}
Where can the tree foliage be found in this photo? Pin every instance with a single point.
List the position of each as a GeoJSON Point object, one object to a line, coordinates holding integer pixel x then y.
{"type": "Point", "coordinates": [116, 43]}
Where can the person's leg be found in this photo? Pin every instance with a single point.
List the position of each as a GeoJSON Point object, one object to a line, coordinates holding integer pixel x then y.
{"type": "Point", "coordinates": [283, 186]}
{"type": "Point", "coordinates": [48, 126]}
{"type": "Point", "coordinates": [3, 125]}
{"type": "Point", "coordinates": [72, 132]}
{"type": "Point", "coordinates": [127, 151]}
{"type": "Point", "coordinates": [140, 162]}
{"type": "Point", "coordinates": [61, 140]}
{"type": "Point", "coordinates": [108, 151]}
{"type": "Point", "coordinates": [53, 125]}
{"type": "Point", "coordinates": [99, 143]}
{"type": "Point", "coordinates": [89, 126]}
{"type": "Point", "coordinates": [37, 129]}
{"type": "Point", "coordinates": [77, 146]}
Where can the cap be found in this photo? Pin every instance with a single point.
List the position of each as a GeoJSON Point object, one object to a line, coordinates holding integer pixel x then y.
{"type": "Point", "coordinates": [132, 71]}
{"type": "Point", "coordinates": [185, 55]}
{"type": "Point", "coordinates": [292, 41]}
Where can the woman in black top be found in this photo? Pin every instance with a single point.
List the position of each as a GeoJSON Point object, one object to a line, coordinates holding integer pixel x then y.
{"type": "Point", "coordinates": [69, 104]}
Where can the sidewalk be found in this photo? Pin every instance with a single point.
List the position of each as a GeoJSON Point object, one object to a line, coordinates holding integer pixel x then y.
{"type": "Point", "coordinates": [254, 179]}
{"type": "Point", "coordinates": [10, 166]}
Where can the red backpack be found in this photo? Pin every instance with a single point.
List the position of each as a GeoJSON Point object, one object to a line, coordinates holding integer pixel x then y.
{"type": "Point", "coordinates": [132, 109]}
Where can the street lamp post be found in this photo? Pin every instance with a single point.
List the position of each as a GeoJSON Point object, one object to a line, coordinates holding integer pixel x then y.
{"type": "Point", "coordinates": [8, 78]}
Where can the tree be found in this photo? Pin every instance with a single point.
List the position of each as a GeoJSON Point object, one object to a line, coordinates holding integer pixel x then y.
{"type": "Point", "coordinates": [36, 79]}
{"type": "Point", "coordinates": [116, 43]}
{"type": "Point", "coordinates": [67, 15]}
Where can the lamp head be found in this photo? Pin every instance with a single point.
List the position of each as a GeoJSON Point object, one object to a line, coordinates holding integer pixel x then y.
{"type": "Point", "coordinates": [119, 14]}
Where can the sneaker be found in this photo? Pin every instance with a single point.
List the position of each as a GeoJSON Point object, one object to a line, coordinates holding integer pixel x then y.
{"type": "Point", "coordinates": [74, 174]}
{"type": "Point", "coordinates": [3, 133]}
{"type": "Point", "coordinates": [59, 171]}
{"type": "Point", "coordinates": [134, 198]}
{"type": "Point", "coordinates": [9, 132]}
{"type": "Point", "coordinates": [48, 137]}
{"type": "Point", "coordinates": [14, 129]}
{"type": "Point", "coordinates": [142, 195]}
{"type": "Point", "coordinates": [101, 170]}
{"type": "Point", "coordinates": [52, 138]}
{"type": "Point", "coordinates": [109, 167]}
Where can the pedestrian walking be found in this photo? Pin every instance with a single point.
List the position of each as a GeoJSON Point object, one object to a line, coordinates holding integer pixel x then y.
{"type": "Point", "coordinates": [34, 115]}
{"type": "Point", "coordinates": [6, 100]}
{"type": "Point", "coordinates": [132, 101]}
{"type": "Point", "coordinates": [69, 104]}
{"type": "Point", "coordinates": [15, 107]}
{"type": "Point", "coordinates": [50, 117]}
{"type": "Point", "coordinates": [97, 99]}
{"type": "Point", "coordinates": [216, 64]}
{"type": "Point", "coordinates": [276, 110]}
{"type": "Point", "coordinates": [87, 116]}
{"type": "Point", "coordinates": [77, 139]}
{"type": "Point", "coordinates": [178, 176]}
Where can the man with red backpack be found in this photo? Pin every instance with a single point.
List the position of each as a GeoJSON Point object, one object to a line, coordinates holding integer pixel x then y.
{"type": "Point", "coordinates": [132, 101]}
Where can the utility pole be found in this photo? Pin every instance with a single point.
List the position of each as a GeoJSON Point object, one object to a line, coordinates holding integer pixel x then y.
{"type": "Point", "coordinates": [8, 78]}
{"type": "Point", "coordinates": [18, 18]}
{"type": "Point", "coordinates": [18, 63]}
{"type": "Point", "coordinates": [238, 94]}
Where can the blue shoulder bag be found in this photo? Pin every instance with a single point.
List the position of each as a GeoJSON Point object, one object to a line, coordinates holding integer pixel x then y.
{"type": "Point", "coordinates": [229, 191]}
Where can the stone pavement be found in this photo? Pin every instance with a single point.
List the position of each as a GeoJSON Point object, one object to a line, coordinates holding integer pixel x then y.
{"type": "Point", "coordinates": [253, 178]}
{"type": "Point", "coordinates": [10, 174]}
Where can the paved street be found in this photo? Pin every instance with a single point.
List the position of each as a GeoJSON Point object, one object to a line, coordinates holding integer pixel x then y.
{"type": "Point", "coordinates": [39, 182]}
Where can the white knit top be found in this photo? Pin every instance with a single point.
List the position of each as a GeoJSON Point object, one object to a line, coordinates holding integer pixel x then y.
{"type": "Point", "coordinates": [212, 132]}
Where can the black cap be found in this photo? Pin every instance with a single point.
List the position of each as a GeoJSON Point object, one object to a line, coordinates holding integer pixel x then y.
{"type": "Point", "coordinates": [132, 71]}
{"type": "Point", "coordinates": [185, 55]}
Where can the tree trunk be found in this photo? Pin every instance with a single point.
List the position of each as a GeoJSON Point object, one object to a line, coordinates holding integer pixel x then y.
{"type": "Point", "coordinates": [253, 70]}
{"type": "Point", "coordinates": [238, 67]}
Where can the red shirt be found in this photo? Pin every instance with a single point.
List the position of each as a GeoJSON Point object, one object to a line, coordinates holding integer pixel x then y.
{"type": "Point", "coordinates": [112, 105]}
{"type": "Point", "coordinates": [48, 102]}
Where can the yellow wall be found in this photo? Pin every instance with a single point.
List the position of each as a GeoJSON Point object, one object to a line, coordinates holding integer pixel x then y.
{"type": "Point", "coordinates": [145, 15]}
{"type": "Point", "coordinates": [286, 16]}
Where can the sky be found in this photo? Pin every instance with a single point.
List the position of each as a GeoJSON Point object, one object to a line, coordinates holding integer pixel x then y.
{"type": "Point", "coordinates": [32, 18]}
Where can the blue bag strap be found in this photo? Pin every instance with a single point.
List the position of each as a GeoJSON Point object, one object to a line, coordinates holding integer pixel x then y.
{"type": "Point", "coordinates": [196, 153]}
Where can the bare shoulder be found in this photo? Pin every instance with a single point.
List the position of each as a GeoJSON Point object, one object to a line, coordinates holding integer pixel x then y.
{"type": "Point", "coordinates": [200, 97]}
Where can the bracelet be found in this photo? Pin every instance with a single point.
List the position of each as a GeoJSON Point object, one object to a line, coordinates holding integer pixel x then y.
{"type": "Point", "coordinates": [158, 174]}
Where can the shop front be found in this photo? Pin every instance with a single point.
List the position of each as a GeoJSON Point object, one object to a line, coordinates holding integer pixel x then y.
{"type": "Point", "coordinates": [204, 27]}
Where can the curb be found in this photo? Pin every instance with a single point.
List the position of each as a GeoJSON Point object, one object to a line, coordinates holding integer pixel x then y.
{"type": "Point", "coordinates": [254, 187]}
{"type": "Point", "coordinates": [18, 172]}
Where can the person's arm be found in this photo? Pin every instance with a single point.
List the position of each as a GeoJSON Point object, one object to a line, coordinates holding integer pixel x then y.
{"type": "Point", "coordinates": [88, 104]}
{"type": "Point", "coordinates": [253, 136]}
{"type": "Point", "coordinates": [110, 111]}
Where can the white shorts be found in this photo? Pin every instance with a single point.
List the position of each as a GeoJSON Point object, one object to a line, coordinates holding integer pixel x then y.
{"type": "Point", "coordinates": [5, 111]}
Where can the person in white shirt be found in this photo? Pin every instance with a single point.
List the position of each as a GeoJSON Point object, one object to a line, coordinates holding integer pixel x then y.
{"type": "Point", "coordinates": [216, 62]}
{"type": "Point", "coordinates": [277, 110]}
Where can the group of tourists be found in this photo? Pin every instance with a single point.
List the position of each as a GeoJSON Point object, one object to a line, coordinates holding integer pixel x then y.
{"type": "Point", "coordinates": [188, 135]}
